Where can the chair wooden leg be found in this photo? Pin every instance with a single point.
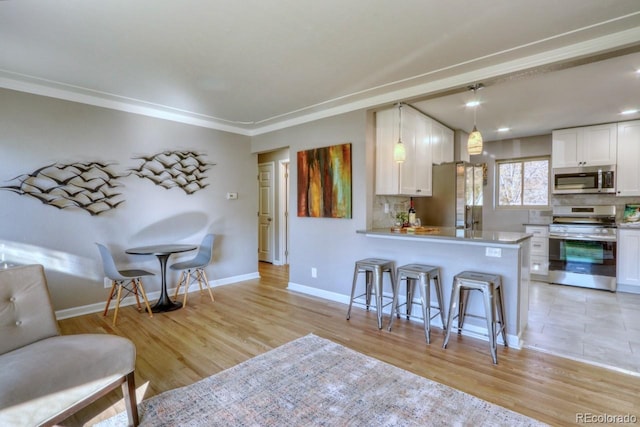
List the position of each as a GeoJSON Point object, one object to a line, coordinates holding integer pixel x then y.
{"type": "Point", "coordinates": [135, 292]}
{"type": "Point", "coordinates": [115, 314]}
{"type": "Point", "coordinates": [175, 295]}
{"type": "Point", "coordinates": [199, 278]}
{"type": "Point", "coordinates": [129, 394]}
{"type": "Point", "coordinates": [113, 288]}
{"type": "Point", "coordinates": [144, 297]}
{"type": "Point", "coordinates": [206, 281]}
{"type": "Point", "coordinates": [187, 282]}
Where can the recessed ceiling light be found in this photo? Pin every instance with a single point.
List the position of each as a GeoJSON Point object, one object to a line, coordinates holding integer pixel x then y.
{"type": "Point", "coordinates": [627, 112]}
{"type": "Point", "coordinates": [472, 103]}
{"type": "Point", "coordinates": [505, 129]}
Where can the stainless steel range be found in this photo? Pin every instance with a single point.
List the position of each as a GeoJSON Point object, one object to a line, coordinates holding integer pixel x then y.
{"type": "Point", "coordinates": [582, 246]}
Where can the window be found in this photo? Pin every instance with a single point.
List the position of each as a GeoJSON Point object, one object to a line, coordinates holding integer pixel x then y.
{"type": "Point", "coordinates": [523, 183]}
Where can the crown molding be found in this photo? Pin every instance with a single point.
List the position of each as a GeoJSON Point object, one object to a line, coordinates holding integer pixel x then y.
{"type": "Point", "coordinates": [56, 90]}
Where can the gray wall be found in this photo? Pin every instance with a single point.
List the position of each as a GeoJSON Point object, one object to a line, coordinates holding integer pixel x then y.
{"type": "Point", "coordinates": [36, 131]}
{"type": "Point", "coordinates": [330, 245]}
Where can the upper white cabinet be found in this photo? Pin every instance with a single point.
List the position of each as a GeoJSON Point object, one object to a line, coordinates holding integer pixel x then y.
{"type": "Point", "coordinates": [413, 176]}
{"type": "Point", "coordinates": [628, 170]}
{"type": "Point", "coordinates": [441, 143]}
{"type": "Point", "coordinates": [584, 146]}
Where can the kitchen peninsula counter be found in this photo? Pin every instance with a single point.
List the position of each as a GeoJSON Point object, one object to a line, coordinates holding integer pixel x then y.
{"type": "Point", "coordinates": [454, 251]}
{"type": "Point", "coordinates": [452, 235]}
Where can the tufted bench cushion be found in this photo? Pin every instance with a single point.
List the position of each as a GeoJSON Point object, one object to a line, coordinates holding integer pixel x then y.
{"type": "Point", "coordinates": [43, 374]}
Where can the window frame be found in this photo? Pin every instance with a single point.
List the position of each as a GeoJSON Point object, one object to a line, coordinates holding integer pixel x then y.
{"type": "Point", "coordinates": [522, 206]}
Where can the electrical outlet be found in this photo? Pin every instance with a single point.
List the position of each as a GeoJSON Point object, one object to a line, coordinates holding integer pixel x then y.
{"type": "Point", "coordinates": [232, 196]}
{"type": "Point", "coordinates": [107, 282]}
{"type": "Point", "coordinates": [314, 272]}
{"type": "Point", "coordinates": [493, 252]}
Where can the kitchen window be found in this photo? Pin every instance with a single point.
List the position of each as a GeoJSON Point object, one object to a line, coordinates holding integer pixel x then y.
{"type": "Point", "coordinates": [522, 183]}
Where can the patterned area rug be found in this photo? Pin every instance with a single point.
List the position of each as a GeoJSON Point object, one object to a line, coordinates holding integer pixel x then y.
{"type": "Point", "coordinates": [315, 382]}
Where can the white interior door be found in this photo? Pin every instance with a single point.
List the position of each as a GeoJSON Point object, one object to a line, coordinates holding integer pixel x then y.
{"type": "Point", "coordinates": [265, 211]}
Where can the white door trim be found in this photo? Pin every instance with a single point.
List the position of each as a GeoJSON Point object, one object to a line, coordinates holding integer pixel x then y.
{"type": "Point", "coordinates": [283, 214]}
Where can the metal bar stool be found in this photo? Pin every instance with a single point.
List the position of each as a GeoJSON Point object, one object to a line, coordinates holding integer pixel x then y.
{"type": "Point", "coordinates": [373, 269]}
{"type": "Point", "coordinates": [491, 287]}
{"type": "Point", "coordinates": [422, 274]}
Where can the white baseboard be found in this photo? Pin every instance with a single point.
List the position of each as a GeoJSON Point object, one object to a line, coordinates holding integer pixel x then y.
{"type": "Point", "coordinates": [470, 330]}
{"type": "Point", "coordinates": [628, 288]}
{"type": "Point", "coordinates": [131, 300]}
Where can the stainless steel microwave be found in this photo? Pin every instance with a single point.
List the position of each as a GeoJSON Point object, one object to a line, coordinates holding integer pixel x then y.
{"type": "Point", "coordinates": [584, 180]}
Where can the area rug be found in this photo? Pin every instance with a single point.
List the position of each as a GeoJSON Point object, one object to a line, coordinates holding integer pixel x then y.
{"type": "Point", "coordinates": [315, 382]}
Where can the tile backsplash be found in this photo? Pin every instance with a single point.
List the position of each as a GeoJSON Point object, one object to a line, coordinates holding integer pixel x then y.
{"type": "Point", "coordinates": [595, 199]}
{"type": "Point", "coordinates": [540, 216]}
{"type": "Point", "coordinates": [382, 219]}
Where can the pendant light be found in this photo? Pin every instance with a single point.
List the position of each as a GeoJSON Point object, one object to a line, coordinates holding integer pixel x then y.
{"type": "Point", "coordinates": [474, 144]}
{"type": "Point", "coordinates": [399, 151]}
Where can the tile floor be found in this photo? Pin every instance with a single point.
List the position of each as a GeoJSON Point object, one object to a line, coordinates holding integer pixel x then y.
{"type": "Point", "coordinates": [600, 327]}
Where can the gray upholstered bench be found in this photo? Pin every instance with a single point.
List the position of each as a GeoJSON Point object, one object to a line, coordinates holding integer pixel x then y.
{"type": "Point", "coordinates": [46, 377]}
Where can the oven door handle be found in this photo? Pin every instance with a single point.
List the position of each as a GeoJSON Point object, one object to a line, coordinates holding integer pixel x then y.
{"type": "Point", "coordinates": [584, 238]}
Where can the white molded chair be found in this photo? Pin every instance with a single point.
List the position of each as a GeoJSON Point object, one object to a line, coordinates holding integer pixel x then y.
{"type": "Point", "coordinates": [196, 267]}
{"type": "Point", "coordinates": [45, 377]}
{"type": "Point", "coordinates": [129, 280]}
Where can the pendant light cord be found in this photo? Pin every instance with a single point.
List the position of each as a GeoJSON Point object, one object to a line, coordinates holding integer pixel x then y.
{"type": "Point", "coordinates": [400, 123]}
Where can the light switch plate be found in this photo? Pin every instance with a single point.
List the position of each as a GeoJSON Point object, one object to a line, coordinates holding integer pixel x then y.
{"type": "Point", "coordinates": [232, 196]}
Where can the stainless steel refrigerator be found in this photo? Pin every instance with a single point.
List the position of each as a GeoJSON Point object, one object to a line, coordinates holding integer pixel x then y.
{"type": "Point", "coordinates": [457, 197]}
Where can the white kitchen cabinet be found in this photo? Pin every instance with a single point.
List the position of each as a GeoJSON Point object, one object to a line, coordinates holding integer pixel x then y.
{"type": "Point", "coordinates": [628, 263]}
{"type": "Point", "coordinates": [627, 169]}
{"type": "Point", "coordinates": [441, 143]}
{"type": "Point", "coordinates": [585, 146]}
{"type": "Point", "coordinates": [413, 176]}
{"type": "Point", "coordinates": [539, 249]}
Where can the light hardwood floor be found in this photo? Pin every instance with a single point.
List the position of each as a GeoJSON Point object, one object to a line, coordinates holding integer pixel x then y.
{"type": "Point", "coordinates": [252, 317]}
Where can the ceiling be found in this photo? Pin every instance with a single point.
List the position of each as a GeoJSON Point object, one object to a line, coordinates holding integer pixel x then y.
{"type": "Point", "coordinates": [253, 66]}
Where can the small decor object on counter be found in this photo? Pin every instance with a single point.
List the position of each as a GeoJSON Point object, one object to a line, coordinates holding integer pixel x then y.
{"type": "Point", "coordinates": [412, 214]}
{"type": "Point", "coordinates": [421, 230]}
{"type": "Point", "coordinates": [632, 214]}
{"type": "Point", "coordinates": [402, 219]}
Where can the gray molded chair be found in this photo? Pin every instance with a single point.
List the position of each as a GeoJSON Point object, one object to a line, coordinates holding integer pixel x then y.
{"type": "Point", "coordinates": [129, 280]}
{"type": "Point", "coordinates": [196, 267]}
{"type": "Point", "coordinates": [47, 377]}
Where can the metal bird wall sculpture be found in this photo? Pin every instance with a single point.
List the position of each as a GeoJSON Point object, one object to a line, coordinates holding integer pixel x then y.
{"type": "Point", "coordinates": [89, 186]}
{"type": "Point", "coordinates": [170, 169]}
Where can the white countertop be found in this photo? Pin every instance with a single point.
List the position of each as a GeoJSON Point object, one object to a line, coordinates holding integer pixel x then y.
{"type": "Point", "coordinates": [454, 234]}
{"type": "Point", "coordinates": [628, 225]}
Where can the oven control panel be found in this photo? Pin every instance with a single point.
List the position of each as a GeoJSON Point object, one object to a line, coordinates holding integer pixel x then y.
{"type": "Point", "coordinates": [582, 232]}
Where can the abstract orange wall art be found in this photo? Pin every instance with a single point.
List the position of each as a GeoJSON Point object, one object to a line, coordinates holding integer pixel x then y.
{"type": "Point", "coordinates": [324, 182]}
